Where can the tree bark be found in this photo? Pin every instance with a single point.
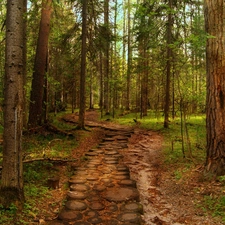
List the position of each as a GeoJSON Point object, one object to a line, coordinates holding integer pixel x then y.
{"type": "Point", "coordinates": [106, 56]}
{"type": "Point", "coordinates": [215, 108]}
{"type": "Point", "coordinates": [11, 190]}
{"type": "Point", "coordinates": [81, 124]}
{"type": "Point", "coordinates": [37, 89]}
{"type": "Point", "coordinates": [129, 55]}
{"type": "Point", "coordinates": [168, 66]}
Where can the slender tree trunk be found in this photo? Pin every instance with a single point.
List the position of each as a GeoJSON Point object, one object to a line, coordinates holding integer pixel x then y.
{"type": "Point", "coordinates": [129, 55]}
{"type": "Point", "coordinates": [11, 189]}
{"type": "Point", "coordinates": [215, 105]}
{"type": "Point", "coordinates": [106, 57]}
{"type": "Point", "coordinates": [115, 91]}
{"type": "Point", "coordinates": [25, 60]}
{"type": "Point", "coordinates": [101, 83]}
{"type": "Point", "coordinates": [168, 66]}
{"type": "Point", "coordinates": [81, 121]}
{"type": "Point", "coordinates": [37, 89]}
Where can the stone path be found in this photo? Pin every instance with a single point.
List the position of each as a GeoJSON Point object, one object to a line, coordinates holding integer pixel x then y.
{"type": "Point", "coordinates": [101, 191]}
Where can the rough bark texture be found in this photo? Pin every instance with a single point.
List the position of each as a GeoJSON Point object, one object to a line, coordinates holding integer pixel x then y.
{"type": "Point", "coordinates": [83, 67]}
{"type": "Point", "coordinates": [129, 56]}
{"type": "Point", "coordinates": [37, 89]}
{"type": "Point", "coordinates": [168, 66]}
{"type": "Point", "coordinates": [106, 57]}
{"type": "Point", "coordinates": [215, 27]}
{"type": "Point", "coordinates": [11, 190]}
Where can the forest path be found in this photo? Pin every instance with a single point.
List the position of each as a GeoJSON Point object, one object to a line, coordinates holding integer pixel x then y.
{"type": "Point", "coordinates": [125, 181]}
{"type": "Point", "coordinates": [101, 190]}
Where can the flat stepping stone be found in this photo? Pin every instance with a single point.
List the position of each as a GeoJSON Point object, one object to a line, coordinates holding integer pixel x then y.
{"type": "Point", "coordinates": [106, 171]}
{"type": "Point", "coordinates": [122, 168]}
{"type": "Point", "coordinates": [99, 151]}
{"type": "Point", "coordinates": [111, 161]}
{"type": "Point", "coordinates": [123, 142]}
{"type": "Point", "coordinates": [130, 217]}
{"type": "Point", "coordinates": [121, 177]}
{"type": "Point", "coordinates": [120, 138]}
{"type": "Point", "coordinates": [76, 195]}
{"type": "Point", "coordinates": [118, 156]}
{"type": "Point", "coordinates": [79, 187]}
{"type": "Point", "coordinates": [106, 180]}
{"type": "Point", "coordinates": [99, 187]}
{"type": "Point", "coordinates": [96, 205]}
{"type": "Point", "coordinates": [122, 194]}
{"type": "Point", "coordinates": [108, 139]}
{"type": "Point", "coordinates": [128, 182]}
{"type": "Point", "coordinates": [132, 207]}
{"type": "Point", "coordinates": [77, 181]}
{"type": "Point", "coordinates": [91, 154]}
{"type": "Point", "coordinates": [111, 153]}
{"type": "Point", "coordinates": [95, 220]}
{"type": "Point", "coordinates": [92, 166]}
{"type": "Point", "coordinates": [91, 213]}
{"type": "Point", "coordinates": [118, 173]}
{"type": "Point", "coordinates": [96, 161]}
{"type": "Point", "coordinates": [94, 178]}
{"type": "Point", "coordinates": [80, 173]}
{"type": "Point", "coordinates": [113, 208]}
{"type": "Point", "coordinates": [70, 215]}
{"type": "Point", "coordinates": [123, 145]}
{"type": "Point", "coordinates": [94, 198]}
{"type": "Point", "coordinates": [75, 205]}
{"type": "Point", "coordinates": [109, 149]}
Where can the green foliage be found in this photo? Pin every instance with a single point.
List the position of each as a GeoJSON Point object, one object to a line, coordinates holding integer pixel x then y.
{"type": "Point", "coordinates": [216, 205]}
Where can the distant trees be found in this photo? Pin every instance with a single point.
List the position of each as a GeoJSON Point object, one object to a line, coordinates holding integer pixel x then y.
{"type": "Point", "coordinates": [141, 55]}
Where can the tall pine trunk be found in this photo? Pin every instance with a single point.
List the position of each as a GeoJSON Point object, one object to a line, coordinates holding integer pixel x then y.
{"type": "Point", "coordinates": [83, 67]}
{"type": "Point", "coordinates": [215, 105]}
{"type": "Point", "coordinates": [40, 65]}
{"type": "Point", "coordinates": [11, 189]}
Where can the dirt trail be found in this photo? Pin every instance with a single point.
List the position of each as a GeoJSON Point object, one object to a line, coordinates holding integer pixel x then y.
{"type": "Point", "coordinates": [165, 201]}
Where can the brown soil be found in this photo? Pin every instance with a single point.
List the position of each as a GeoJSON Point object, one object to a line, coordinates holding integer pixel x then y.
{"type": "Point", "coordinates": [166, 199]}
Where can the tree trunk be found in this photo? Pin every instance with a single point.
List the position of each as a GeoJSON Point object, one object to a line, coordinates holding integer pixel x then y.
{"type": "Point", "coordinates": [168, 66]}
{"type": "Point", "coordinates": [11, 191]}
{"type": "Point", "coordinates": [83, 68]}
{"type": "Point", "coordinates": [106, 57]}
{"type": "Point", "coordinates": [37, 89]}
{"type": "Point", "coordinates": [215, 108]}
{"type": "Point", "coordinates": [129, 55]}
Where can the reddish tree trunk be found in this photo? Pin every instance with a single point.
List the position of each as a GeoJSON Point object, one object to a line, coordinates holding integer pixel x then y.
{"type": "Point", "coordinates": [37, 89]}
{"type": "Point", "coordinates": [215, 26]}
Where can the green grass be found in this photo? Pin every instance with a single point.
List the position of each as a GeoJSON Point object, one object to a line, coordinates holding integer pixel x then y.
{"type": "Point", "coordinates": [216, 205]}
{"type": "Point", "coordinates": [172, 135]}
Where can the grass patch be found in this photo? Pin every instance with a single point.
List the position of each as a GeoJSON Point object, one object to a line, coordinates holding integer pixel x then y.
{"type": "Point", "coordinates": [193, 142]}
{"type": "Point", "coordinates": [216, 205]}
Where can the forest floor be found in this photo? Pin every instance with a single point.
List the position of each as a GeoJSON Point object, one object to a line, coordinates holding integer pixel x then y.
{"type": "Point", "coordinates": [166, 199]}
